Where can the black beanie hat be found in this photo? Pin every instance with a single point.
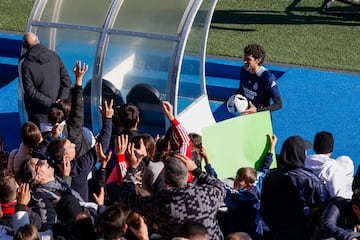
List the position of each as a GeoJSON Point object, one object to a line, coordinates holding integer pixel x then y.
{"type": "Point", "coordinates": [323, 142]}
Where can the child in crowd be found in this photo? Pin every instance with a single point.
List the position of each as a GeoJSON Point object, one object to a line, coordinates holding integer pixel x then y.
{"type": "Point", "coordinates": [243, 200]}
{"type": "Point", "coordinates": [30, 139]}
{"type": "Point", "coordinates": [70, 115]}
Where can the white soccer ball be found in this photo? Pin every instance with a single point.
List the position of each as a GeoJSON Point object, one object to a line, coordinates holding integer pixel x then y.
{"type": "Point", "coordinates": [237, 103]}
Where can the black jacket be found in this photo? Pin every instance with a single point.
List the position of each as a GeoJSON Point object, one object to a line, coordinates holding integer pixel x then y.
{"type": "Point", "coordinates": [290, 193]}
{"type": "Point", "coordinates": [338, 220]}
{"type": "Point", "coordinates": [74, 124]}
{"type": "Point", "coordinates": [44, 77]}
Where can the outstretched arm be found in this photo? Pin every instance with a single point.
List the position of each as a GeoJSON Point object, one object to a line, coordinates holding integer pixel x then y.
{"type": "Point", "coordinates": [181, 133]}
{"type": "Point", "coordinates": [75, 121]}
{"type": "Point", "coordinates": [208, 168]}
{"type": "Point", "coordinates": [265, 166]}
{"type": "Point", "coordinates": [105, 133]}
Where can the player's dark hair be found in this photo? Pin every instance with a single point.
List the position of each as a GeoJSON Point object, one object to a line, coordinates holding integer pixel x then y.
{"type": "Point", "coordinates": [256, 50]}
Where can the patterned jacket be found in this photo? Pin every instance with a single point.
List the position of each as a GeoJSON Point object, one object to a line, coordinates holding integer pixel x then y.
{"type": "Point", "coordinates": [172, 206]}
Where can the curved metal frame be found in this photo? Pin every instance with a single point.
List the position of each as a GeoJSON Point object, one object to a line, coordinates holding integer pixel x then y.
{"type": "Point", "coordinates": [106, 31]}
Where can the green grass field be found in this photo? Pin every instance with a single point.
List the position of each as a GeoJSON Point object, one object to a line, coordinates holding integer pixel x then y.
{"type": "Point", "coordinates": [293, 32]}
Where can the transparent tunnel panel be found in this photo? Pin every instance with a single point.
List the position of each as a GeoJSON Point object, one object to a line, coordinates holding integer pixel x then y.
{"type": "Point", "coordinates": [156, 16]}
{"type": "Point", "coordinates": [83, 47]}
{"type": "Point", "coordinates": [137, 51]}
{"type": "Point", "coordinates": [132, 60]}
{"type": "Point", "coordinates": [87, 13]}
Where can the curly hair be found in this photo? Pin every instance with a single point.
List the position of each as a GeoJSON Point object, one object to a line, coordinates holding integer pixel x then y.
{"type": "Point", "coordinates": [256, 50]}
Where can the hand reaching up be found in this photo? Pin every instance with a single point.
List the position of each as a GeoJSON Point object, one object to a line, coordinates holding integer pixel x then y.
{"type": "Point", "coordinates": [133, 156]}
{"type": "Point", "coordinates": [79, 71]}
{"type": "Point", "coordinates": [189, 163]}
{"type": "Point", "coordinates": [108, 112]}
{"type": "Point", "coordinates": [273, 140]}
{"type": "Point", "coordinates": [167, 109]}
{"type": "Point", "coordinates": [104, 159]}
{"type": "Point", "coordinates": [100, 198]}
{"type": "Point", "coordinates": [23, 194]}
{"type": "Point", "coordinates": [121, 143]}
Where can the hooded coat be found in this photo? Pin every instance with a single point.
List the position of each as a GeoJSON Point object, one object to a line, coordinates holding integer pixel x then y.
{"type": "Point", "coordinates": [44, 78]}
{"type": "Point", "coordinates": [291, 192]}
{"type": "Point", "coordinates": [338, 174]}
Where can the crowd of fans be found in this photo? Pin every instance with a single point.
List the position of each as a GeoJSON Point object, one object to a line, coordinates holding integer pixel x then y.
{"type": "Point", "coordinates": [124, 184]}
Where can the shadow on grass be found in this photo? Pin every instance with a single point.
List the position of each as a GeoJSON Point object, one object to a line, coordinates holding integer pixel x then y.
{"type": "Point", "coordinates": [291, 16]}
{"type": "Point", "coordinates": [351, 9]}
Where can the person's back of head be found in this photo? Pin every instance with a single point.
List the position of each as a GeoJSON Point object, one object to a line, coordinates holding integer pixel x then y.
{"type": "Point", "coordinates": [128, 116]}
{"type": "Point", "coordinates": [27, 232]}
{"type": "Point", "coordinates": [323, 142]}
{"type": "Point", "coordinates": [66, 104]}
{"type": "Point", "coordinates": [256, 50]}
{"type": "Point", "coordinates": [245, 177]}
{"type": "Point", "coordinates": [30, 135]}
{"type": "Point", "coordinates": [56, 151]}
{"type": "Point", "coordinates": [193, 231]}
{"type": "Point", "coordinates": [26, 172]}
{"type": "Point", "coordinates": [8, 188]}
{"type": "Point", "coordinates": [74, 221]}
{"type": "Point", "coordinates": [29, 40]}
{"type": "Point", "coordinates": [196, 141]}
{"type": "Point", "coordinates": [83, 227]}
{"type": "Point", "coordinates": [293, 152]}
{"type": "Point", "coordinates": [175, 172]}
{"type": "Point", "coordinates": [170, 141]}
{"type": "Point", "coordinates": [67, 208]}
{"type": "Point", "coordinates": [238, 236]}
{"type": "Point", "coordinates": [112, 222]}
{"type": "Point", "coordinates": [56, 113]}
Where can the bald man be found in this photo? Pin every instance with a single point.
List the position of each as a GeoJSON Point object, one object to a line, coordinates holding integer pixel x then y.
{"type": "Point", "coordinates": [44, 77]}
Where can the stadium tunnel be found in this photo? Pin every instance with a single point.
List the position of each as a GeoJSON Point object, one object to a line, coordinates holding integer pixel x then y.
{"type": "Point", "coordinates": [158, 46]}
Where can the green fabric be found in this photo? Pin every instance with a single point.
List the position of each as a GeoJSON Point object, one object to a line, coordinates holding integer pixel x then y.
{"type": "Point", "coordinates": [238, 142]}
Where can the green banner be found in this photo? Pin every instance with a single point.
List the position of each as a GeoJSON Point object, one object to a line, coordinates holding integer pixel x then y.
{"type": "Point", "coordinates": [238, 142]}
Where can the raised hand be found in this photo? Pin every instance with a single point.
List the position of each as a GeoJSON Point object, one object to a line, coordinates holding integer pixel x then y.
{"type": "Point", "coordinates": [273, 140]}
{"type": "Point", "coordinates": [79, 71]}
{"type": "Point", "coordinates": [65, 167]}
{"type": "Point", "coordinates": [167, 109]}
{"type": "Point", "coordinates": [204, 155]}
{"type": "Point", "coordinates": [132, 157]}
{"type": "Point", "coordinates": [23, 194]}
{"type": "Point", "coordinates": [121, 143]}
{"type": "Point", "coordinates": [189, 163]}
{"type": "Point", "coordinates": [108, 112]}
{"type": "Point", "coordinates": [104, 159]}
{"type": "Point", "coordinates": [100, 198]}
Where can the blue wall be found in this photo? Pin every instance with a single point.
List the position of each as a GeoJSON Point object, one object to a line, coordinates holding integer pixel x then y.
{"type": "Point", "coordinates": [314, 100]}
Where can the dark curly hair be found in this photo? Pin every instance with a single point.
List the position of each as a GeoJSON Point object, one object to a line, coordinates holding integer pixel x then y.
{"type": "Point", "coordinates": [256, 50]}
